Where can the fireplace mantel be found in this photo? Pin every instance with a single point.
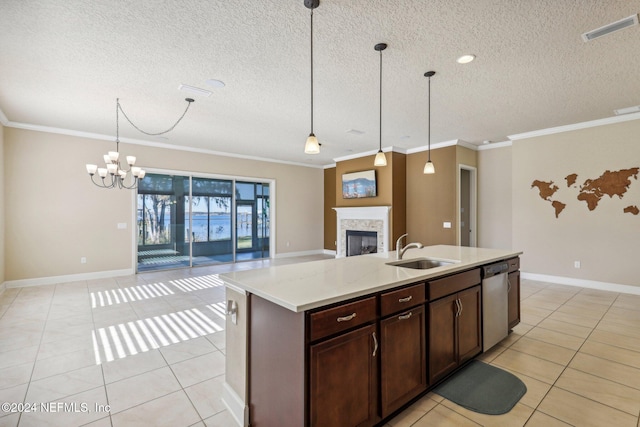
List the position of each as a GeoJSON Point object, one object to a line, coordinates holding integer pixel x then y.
{"type": "Point", "coordinates": [365, 218]}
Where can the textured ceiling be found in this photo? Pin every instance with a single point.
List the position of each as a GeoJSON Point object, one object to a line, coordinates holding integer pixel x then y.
{"type": "Point", "coordinates": [64, 63]}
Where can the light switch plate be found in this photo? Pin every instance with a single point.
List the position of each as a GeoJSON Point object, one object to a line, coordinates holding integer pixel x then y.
{"type": "Point", "coordinates": [446, 224]}
{"type": "Point", "coordinates": [122, 226]}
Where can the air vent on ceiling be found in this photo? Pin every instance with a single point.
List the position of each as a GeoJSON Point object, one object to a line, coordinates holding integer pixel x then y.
{"type": "Point", "coordinates": [611, 28]}
{"type": "Point", "coordinates": [196, 90]}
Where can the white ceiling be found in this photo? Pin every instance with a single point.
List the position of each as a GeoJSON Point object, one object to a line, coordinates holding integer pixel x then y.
{"type": "Point", "coordinates": [64, 63]}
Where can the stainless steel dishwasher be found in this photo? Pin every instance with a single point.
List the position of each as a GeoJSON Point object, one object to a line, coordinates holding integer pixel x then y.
{"type": "Point", "coordinates": [495, 304]}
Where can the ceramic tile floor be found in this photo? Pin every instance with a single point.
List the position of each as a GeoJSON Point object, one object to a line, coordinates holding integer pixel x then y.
{"type": "Point", "coordinates": [150, 348]}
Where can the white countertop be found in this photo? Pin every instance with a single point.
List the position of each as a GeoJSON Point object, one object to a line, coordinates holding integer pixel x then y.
{"type": "Point", "coordinates": [308, 285]}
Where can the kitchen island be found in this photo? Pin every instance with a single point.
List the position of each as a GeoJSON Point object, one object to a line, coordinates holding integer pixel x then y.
{"type": "Point", "coordinates": [350, 341]}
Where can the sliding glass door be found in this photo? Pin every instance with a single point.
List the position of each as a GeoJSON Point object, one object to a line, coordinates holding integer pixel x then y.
{"type": "Point", "coordinates": [161, 222]}
{"type": "Point", "coordinates": [187, 221]}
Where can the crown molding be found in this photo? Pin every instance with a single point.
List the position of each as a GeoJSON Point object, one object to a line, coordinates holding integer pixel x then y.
{"type": "Point", "coordinates": [575, 126]}
{"type": "Point", "coordinates": [494, 145]}
{"type": "Point", "coordinates": [3, 118]}
{"type": "Point", "coordinates": [133, 141]}
{"type": "Point", "coordinates": [434, 146]}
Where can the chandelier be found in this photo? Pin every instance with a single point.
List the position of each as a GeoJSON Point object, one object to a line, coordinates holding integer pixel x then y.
{"type": "Point", "coordinates": [113, 175]}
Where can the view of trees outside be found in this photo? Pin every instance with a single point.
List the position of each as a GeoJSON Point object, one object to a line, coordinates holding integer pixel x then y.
{"type": "Point", "coordinates": [207, 215]}
{"type": "Point", "coordinates": [154, 219]}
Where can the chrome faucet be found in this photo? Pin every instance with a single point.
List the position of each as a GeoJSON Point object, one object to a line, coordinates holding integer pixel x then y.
{"type": "Point", "coordinates": [400, 250]}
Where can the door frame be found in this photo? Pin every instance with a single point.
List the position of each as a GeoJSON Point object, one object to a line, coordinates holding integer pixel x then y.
{"type": "Point", "coordinates": [473, 203]}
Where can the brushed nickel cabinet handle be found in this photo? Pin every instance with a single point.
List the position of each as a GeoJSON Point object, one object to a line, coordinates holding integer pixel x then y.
{"type": "Point", "coordinates": [346, 318]}
{"type": "Point", "coordinates": [460, 308]}
{"type": "Point", "coordinates": [375, 344]}
{"type": "Point", "coordinates": [404, 316]}
{"type": "Point", "coordinates": [406, 299]}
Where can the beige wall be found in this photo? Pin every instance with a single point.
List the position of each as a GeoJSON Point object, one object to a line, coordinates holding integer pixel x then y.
{"type": "Point", "coordinates": [2, 190]}
{"type": "Point", "coordinates": [55, 215]}
{"type": "Point", "coordinates": [604, 240]}
{"type": "Point", "coordinates": [494, 198]}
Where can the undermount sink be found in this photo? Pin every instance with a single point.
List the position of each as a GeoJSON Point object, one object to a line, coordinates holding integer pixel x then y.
{"type": "Point", "coordinates": [420, 263]}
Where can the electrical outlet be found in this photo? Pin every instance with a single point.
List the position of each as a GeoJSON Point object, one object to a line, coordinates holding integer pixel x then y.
{"type": "Point", "coordinates": [576, 264]}
{"type": "Point", "coordinates": [83, 260]}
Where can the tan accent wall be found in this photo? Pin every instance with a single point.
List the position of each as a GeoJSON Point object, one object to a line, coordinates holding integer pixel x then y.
{"type": "Point", "coordinates": [2, 205]}
{"type": "Point", "coordinates": [399, 197]}
{"type": "Point", "coordinates": [330, 218]}
{"type": "Point", "coordinates": [384, 181]}
{"type": "Point", "coordinates": [55, 216]}
{"type": "Point", "coordinates": [604, 240]}
{"type": "Point", "coordinates": [495, 198]}
{"type": "Point", "coordinates": [391, 189]}
{"type": "Point", "coordinates": [431, 199]}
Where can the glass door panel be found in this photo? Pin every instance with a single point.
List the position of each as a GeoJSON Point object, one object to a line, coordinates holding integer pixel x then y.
{"type": "Point", "coordinates": [186, 222]}
{"type": "Point", "coordinates": [161, 223]}
{"type": "Point", "coordinates": [245, 212]}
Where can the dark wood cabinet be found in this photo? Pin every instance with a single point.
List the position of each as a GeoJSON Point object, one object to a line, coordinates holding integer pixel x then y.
{"type": "Point", "coordinates": [514, 299]}
{"type": "Point", "coordinates": [357, 362]}
{"type": "Point", "coordinates": [514, 291]}
{"type": "Point", "coordinates": [455, 333]}
{"type": "Point", "coordinates": [343, 380]}
{"type": "Point", "coordinates": [469, 324]}
{"type": "Point", "coordinates": [403, 356]}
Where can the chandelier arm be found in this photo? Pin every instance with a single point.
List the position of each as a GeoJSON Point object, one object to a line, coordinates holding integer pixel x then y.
{"type": "Point", "coordinates": [189, 101]}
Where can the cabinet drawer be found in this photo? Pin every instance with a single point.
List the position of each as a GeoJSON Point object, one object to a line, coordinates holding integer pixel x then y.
{"type": "Point", "coordinates": [327, 322]}
{"type": "Point", "coordinates": [399, 300]}
{"type": "Point", "coordinates": [514, 264]}
{"type": "Point", "coordinates": [449, 285]}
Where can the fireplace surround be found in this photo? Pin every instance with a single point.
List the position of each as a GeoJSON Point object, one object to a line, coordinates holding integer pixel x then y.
{"type": "Point", "coordinates": [366, 218]}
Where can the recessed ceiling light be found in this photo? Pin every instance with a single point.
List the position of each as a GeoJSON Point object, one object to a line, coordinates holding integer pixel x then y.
{"type": "Point", "coordinates": [465, 59]}
{"type": "Point", "coordinates": [193, 89]}
{"type": "Point", "coordinates": [355, 132]}
{"type": "Point", "coordinates": [404, 137]}
{"type": "Point", "coordinates": [215, 83]}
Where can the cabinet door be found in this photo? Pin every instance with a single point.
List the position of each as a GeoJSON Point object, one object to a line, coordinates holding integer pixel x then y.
{"type": "Point", "coordinates": [469, 324]}
{"type": "Point", "coordinates": [403, 358]}
{"type": "Point", "coordinates": [514, 299]}
{"type": "Point", "coordinates": [344, 380]}
{"type": "Point", "coordinates": [443, 350]}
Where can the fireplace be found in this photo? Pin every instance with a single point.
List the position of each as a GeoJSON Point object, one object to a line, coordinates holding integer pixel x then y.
{"type": "Point", "coordinates": [361, 242]}
{"type": "Point", "coordinates": [372, 219]}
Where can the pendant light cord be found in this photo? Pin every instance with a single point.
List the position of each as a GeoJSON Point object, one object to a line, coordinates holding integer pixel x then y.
{"type": "Point", "coordinates": [119, 107]}
{"type": "Point", "coordinates": [311, 70]}
{"type": "Point", "coordinates": [380, 118]}
{"type": "Point", "coordinates": [429, 122]}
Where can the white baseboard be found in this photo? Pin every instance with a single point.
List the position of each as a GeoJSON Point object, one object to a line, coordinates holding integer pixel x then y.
{"type": "Point", "coordinates": [328, 252]}
{"type": "Point", "coordinates": [591, 284]}
{"type": "Point", "coordinates": [54, 280]}
{"type": "Point", "coordinates": [301, 253]}
{"type": "Point", "coordinates": [235, 405]}
{"type": "Point", "coordinates": [3, 286]}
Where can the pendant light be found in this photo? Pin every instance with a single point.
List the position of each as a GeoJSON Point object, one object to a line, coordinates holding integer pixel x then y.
{"type": "Point", "coordinates": [428, 167]}
{"type": "Point", "coordinates": [381, 159]}
{"type": "Point", "coordinates": [312, 146]}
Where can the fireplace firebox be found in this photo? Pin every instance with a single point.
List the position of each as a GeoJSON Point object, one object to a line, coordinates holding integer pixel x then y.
{"type": "Point", "coordinates": [361, 242]}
